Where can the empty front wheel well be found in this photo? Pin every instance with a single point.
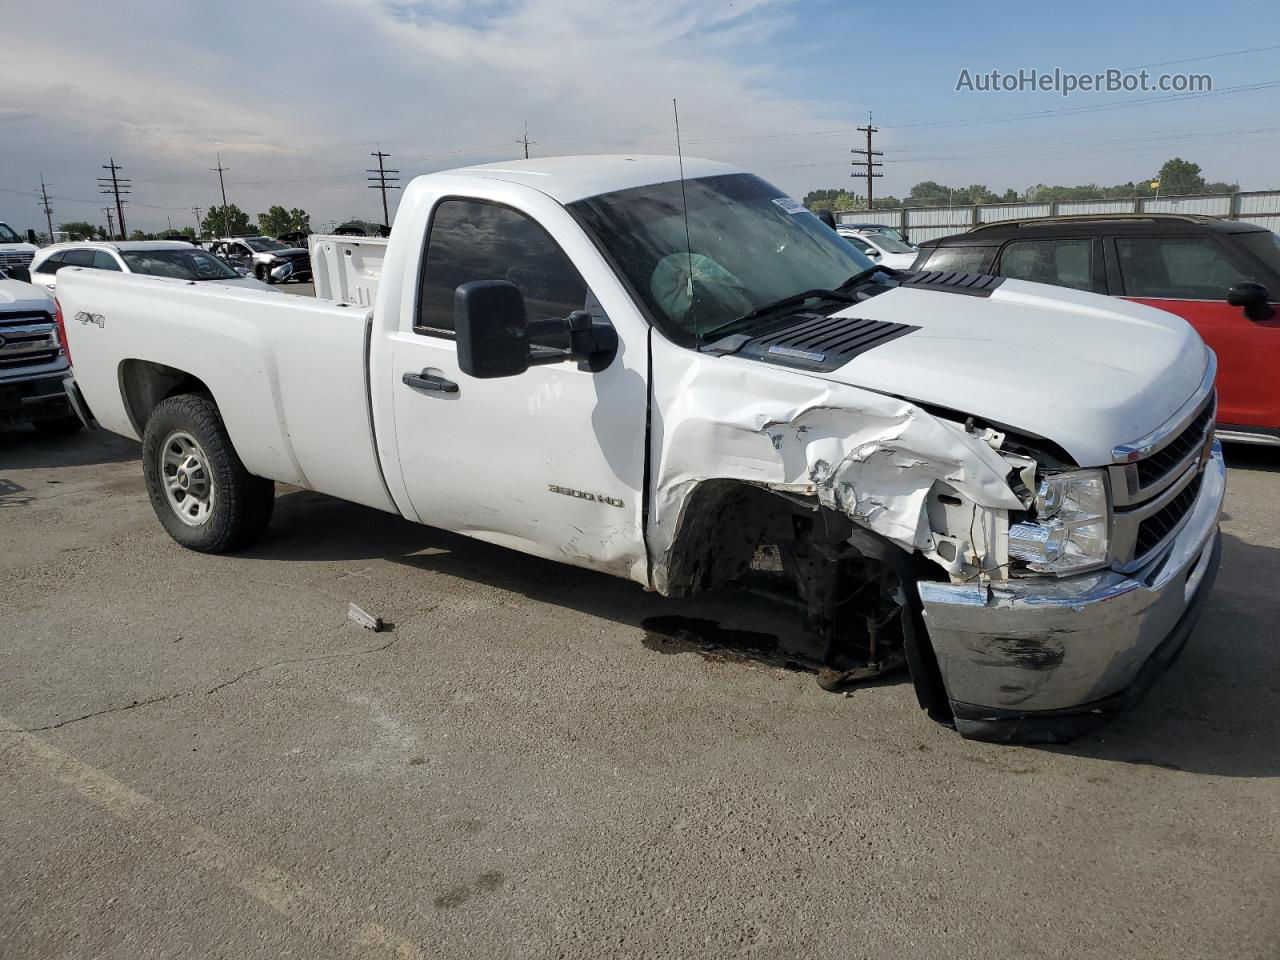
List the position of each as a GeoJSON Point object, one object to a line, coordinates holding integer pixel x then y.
{"type": "Point", "coordinates": [856, 589]}
{"type": "Point", "coordinates": [144, 384]}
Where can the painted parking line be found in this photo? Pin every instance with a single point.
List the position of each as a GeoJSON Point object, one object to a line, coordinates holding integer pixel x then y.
{"type": "Point", "coordinates": [297, 901]}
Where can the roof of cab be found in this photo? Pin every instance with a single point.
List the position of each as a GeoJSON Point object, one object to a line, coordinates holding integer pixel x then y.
{"type": "Point", "coordinates": [568, 179]}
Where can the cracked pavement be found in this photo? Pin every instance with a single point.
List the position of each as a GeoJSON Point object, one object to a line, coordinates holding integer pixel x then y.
{"type": "Point", "coordinates": [203, 757]}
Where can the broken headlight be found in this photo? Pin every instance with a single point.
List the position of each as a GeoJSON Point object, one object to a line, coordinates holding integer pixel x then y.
{"type": "Point", "coordinates": [1070, 532]}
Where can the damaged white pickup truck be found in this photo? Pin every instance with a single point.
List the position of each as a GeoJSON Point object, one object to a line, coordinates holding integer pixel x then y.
{"type": "Point", "coordinates": [692, 383]}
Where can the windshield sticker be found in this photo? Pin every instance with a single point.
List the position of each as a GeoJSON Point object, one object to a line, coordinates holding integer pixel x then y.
{"type": "Point", "coordinates": [789, 205]}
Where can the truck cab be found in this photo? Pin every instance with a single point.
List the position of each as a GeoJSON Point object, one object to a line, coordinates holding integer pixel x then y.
{"type": "Point", "coordinates": [15, 252]}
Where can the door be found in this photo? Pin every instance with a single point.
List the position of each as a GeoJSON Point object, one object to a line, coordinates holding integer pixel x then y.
{"type": "Point", "coordinates": [1189, 276]}
{"type": "Point", "coordinates": [551, 461]}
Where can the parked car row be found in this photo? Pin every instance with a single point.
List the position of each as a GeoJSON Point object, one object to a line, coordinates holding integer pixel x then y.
{"type": "Point", "coordinates": [1222, 277]}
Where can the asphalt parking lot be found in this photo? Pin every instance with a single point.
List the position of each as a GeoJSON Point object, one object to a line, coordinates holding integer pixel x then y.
{"type": "Point", "coordinates": [202, 757]}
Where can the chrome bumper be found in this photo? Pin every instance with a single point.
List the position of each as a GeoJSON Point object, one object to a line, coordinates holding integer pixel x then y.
{"type": "Point", "coordinates": [1040, 648]}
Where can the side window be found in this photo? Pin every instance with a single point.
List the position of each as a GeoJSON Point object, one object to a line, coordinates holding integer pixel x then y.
{"type": "Point", "coordinates": [78, 258]}
{"type": "Point", "coordinates": [104, 261]}
{"type": "Point", "coordinates": [51, 265]}
{"type": "Point", "coordinates": [1176, 268]}
{"type": "Point", "coordinates": [471, 240]}
{"type": "Point", "coordinates": [1063, 263]}
{"type": "Point", "coordinates": [964, 259]}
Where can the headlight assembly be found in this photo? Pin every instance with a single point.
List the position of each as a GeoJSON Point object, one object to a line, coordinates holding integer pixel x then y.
{"type": "Point", "coordinates": [1070, 531]}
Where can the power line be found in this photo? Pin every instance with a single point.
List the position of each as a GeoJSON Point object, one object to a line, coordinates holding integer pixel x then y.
{"type": "Point", "coordinates": [119, 187]}
{"type": "Point", "coordinates": [526, 141]}
{"type": "Point", "coordinates": [1207, 56]}
{"type": "Point", "coordinates": [384, 181]}
{"type": "Point", "coordinates": [222, 185]}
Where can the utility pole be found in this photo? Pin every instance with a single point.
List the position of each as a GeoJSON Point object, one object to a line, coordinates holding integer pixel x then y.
{"type": "Point", "coordinates": [384, 181]}
{"type": "Point", "coordinates": [868, 159]}
{"type": "Point", "coordinates": [48, 210]}
{"type": "Point", "coordinates": [196, 211]}
{"type": "Point", "coordinates": [226, 230]}
{"type": "Point", "coordinates": [111, 226]}
{"type": "Point", "coordinates": [526, 141]}
{"type": "Point", "coordinates": [117, 186]}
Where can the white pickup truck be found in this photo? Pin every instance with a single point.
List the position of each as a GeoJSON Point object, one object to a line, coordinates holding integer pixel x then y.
{"type": "Point", "coordinates": [692, 383]}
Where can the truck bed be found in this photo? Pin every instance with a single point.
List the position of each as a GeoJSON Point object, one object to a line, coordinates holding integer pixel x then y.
{"type": "Point", "coordinates": [347, 269]}
{"type": "Point", "coordinates": [289, 374]}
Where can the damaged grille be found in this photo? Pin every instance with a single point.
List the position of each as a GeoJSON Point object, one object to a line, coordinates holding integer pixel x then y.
{"type": "Point", "coordinates": [821, 343]}
{"type": "Point", "coordinates": [1154, 494]}
{"type": "Point", "coordinates": [1165, 522]}
{"type": "Point", "coordinates": [1163, 462]}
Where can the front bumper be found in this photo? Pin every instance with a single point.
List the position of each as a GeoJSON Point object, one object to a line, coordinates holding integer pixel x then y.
{"type": "Point", "coordinates": [1042, 660]}
{"type": "Point", "coordinates": [291, 270]}
{"type": "Point", "coordinates": [31, 398]}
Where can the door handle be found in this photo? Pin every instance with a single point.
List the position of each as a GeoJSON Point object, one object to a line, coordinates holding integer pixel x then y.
{"type": "Point", "coordinates": [430, 382]}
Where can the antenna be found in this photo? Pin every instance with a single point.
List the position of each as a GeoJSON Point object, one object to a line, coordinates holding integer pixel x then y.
{"type": "Point", "coordinates": [684, 201]}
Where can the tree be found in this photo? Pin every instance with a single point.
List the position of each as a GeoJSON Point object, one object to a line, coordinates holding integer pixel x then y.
{"type": "Point", "coordinates": [278, 220]}
{"type": "Point", "coordinates": [1176, 176]}
{"type": "Point", "coordinates": [81, 229]}
{"type": "Point", "coordinates": [1180, 177]}
{"type": "Point", "coordinates": [235, 222]}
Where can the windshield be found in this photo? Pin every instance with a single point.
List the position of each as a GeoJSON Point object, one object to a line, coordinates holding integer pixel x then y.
{"type": "Point", "coordinates": [183, 264]}
{"type": "Point", "coordinates": [888, 244]}
{"type": "Point", "coordinates": [7, 235]}
{"type": "Point", "coordinates": [263, 244]}
{"type": "Point", "coordinates": [748, 244]}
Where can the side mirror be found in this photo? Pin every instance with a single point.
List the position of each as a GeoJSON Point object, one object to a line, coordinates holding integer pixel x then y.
{"type": "Point", "coordinates": [32, 238]}
{"type": "Point", "coordinates": [828, 218]}
{"type": "Point", "coordinates": [492, 328]}
{"type": "Point", "coordinates": [493, 333]}
{"type": "Point", "coordinates": [1253, 298]}
{"type": "Point", "coordinates": [19, 273]}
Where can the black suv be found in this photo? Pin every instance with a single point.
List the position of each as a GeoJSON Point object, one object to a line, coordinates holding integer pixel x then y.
{"type": "Point", "coordinates": [1221, 276]}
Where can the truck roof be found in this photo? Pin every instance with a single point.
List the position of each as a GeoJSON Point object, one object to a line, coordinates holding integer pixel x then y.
{"type": "Point", "coordinates": [568, 179]}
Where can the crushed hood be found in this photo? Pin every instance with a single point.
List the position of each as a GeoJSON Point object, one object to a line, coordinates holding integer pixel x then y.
{"type": "Point", "coordinates": [16, 295]}
{"type": "Point", "coordinates": [1086, 371]}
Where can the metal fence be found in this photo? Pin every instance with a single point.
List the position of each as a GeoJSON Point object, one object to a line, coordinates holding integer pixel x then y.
{"type": "Point", "coordinates": [926, 223]}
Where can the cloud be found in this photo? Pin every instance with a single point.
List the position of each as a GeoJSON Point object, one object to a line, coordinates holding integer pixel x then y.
{"type": "Point", "coordinates": [295, 96]}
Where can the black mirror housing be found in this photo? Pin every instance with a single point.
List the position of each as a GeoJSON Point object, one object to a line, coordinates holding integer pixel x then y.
{"type": "Point", "coordinates": [1253, 297]}
{"type": "Point", "coordinates": [827, 217]}
{"type": "Point", "coordinates": [492, 329]}
{"type": "Point", "coordinates": [19, 273]}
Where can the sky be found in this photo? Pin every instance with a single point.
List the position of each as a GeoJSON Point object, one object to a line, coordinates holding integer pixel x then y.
{"type": "Point", "coordinates": [294, 96]}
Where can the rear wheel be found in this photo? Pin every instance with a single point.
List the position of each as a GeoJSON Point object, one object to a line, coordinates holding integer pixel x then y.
{"type": "Point", "coordinates": [201, 492]}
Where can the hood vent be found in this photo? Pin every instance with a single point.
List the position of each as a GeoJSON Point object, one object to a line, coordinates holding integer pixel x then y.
{"type": "Point", "coordinates": [945, 281]}
{"type": "Point", "coordinates": [821, 343]}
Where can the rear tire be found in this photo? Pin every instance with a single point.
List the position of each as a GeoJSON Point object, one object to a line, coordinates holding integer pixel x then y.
{"type": "Point", "coordinates": [200, 490]}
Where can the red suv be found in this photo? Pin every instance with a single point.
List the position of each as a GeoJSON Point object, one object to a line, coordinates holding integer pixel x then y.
{"type": "Point", "coordinates": [1222, 277]}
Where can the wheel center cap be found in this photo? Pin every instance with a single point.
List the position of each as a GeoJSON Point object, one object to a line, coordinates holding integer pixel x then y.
{"type": "Point", "coordinates": [183, 480]}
